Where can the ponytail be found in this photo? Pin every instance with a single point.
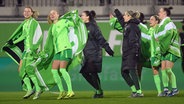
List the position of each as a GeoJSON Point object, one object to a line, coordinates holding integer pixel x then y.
{"type": "Point", "coordinates": [35, 13]}
{"type": "Point", "coordinates": [91, 14]}
{"type": "Point", "coordinates": [133, 14]}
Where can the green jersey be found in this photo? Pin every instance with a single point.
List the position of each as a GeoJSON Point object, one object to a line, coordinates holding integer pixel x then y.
{"type": "Point", "coordinates": [145, 37]}
{"type": "Point", "coordinates": [168, 37]}
{"type": "Point", "coordinates": [60, 35]}
{"type": "Point", "coordinates": [33, 35]}
{"type": "Point", "coordinates": [155, 47]}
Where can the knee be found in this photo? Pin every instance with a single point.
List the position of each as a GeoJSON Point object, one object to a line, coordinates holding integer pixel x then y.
{"type": "Point", "coordinates": [169, 71]}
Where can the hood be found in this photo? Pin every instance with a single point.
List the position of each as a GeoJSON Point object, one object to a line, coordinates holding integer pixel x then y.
{"type": "Point", "coordinates": [136, 21]}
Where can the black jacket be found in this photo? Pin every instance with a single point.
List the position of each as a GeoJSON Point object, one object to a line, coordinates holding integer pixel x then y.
{"type": "Point", "coordinates": [93, 49]}
{"type": "Point", "coordinates": [131, 37]}
{"type": "Point", "coordinates": [131, 45]}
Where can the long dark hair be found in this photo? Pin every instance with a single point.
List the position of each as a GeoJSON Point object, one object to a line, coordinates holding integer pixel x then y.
{"type": "Point", "coordinates": [91, 14]}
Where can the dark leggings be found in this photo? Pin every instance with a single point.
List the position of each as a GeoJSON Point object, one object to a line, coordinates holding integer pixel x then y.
{"type": "Point", "coordinates": [93, 79]}
{"type": "Point", "coordinates": [131, 78]}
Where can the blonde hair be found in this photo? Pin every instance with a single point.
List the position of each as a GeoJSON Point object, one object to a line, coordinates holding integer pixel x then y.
{"type": "Point", "coordinates": [35, 13]}
{"type": "Point", "coordinates": [48, 17]}
{"type": "Point", "coordinates": [49, 20]}
{"type": "Point", "coordinates": [133, 14]}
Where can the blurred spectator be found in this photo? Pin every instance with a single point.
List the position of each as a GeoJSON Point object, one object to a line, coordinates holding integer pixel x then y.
{"type": "Point", "coordinates": [64, 1]}
{"type": "Point", "coordinates": [182, 2]}
{"type": "Point", "coordinates": [162, 2]}
{"type": "Point", "coordinates": [19, 2]}
{"type": "Point", "coordinates": [2, 3]}
{"type": "Point", "coordinates": [102, 2]}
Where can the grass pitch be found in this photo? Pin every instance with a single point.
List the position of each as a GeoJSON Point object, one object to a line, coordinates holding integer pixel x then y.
{"type": "Point", "coordinates": [85, 97]}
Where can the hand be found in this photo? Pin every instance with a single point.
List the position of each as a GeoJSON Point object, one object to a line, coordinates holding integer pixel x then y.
{"type": "Point", "coordinates": [36, 62]}
{"type": "Point", "coordinates": [118, 13]}
{"type": "Point", "coordinates": [10, 42]}
{"type": "Point", "coordinates": [110, 15]}
{"type": "Point", "coordinates": [109, 50]}
{"type": "Point", "coordinates": [119, 17]}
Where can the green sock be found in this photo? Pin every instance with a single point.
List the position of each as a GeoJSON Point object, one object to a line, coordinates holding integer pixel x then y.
{"type": "Point", "coordinates": [98, 91]}
{"type": "Point", "coordinates": [57, 79]}
{"type": "Point", "coordinates": [172, 77]}
{"type": "Point", "coordinates": [27, 83]}
{"type": "Point", "coordinates": [35, 81]}
{"type": "Point", "coordinates": [139, 91]}
{"type": "Point", "coordinates": [133, 88]}
{"type": "Point", "coordinates": [67, 78]}
{"type": "Point", "coordinates": [157, 83]}
{"type": "Point", "coordinates": [165, 79]}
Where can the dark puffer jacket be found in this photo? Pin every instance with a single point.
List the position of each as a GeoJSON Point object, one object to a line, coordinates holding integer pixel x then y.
{"type": "Point", "coordinates": [131, 37]}
{"type": "Point", "coordinates": [131, 44]}
{"type": "Point", "coordinates": [93, 49]}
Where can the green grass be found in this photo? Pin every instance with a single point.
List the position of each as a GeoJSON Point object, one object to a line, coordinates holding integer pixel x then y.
{"type": "Point", "coordinates": [85, 97]}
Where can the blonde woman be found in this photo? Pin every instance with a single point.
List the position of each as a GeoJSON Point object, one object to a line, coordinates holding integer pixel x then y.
{"type": "Point", "coordinates": [31, 36]}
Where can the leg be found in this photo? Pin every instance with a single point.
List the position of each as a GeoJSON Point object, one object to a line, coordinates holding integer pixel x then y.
{"type": "Point", "coordinates": [139, 71]}
{"type": "Point", "coordinates": [135, 79]}
{"type": "Point", "coordinates": [26, 80]}
{"type": "Point", "coordinates": [57, 78]}
{"type": "Point", "coordinates": [172, 78]}
{"type": "Point", "coordinates": [96, 82]}
{"type": "Point", "coordinates": [30, 91]}
{"type": "Point", "coordinates": [30, 70]}
{"type": "Point", "coordinates": [88, 78]}
{"type": "Point", "coordinates": [128, 80]}
{"type": "Point", "coordinates": [66, 76]}
{"type": "Point", "coordinates": [20, 65]}
{"type": "Point", "coordinates": [165, 79]}
{"type": "Point", "coordinates": [157, 80]}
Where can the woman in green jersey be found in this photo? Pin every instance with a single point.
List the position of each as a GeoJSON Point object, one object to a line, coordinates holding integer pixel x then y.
{"type": "Point", "coordinates": [168, 38]}
{"type": "Point", "coordinates": [62, 52]}
{"type": "Point", "coordinates": [155, 52]}
{"type": "Point", "coordinates": [32, 37]}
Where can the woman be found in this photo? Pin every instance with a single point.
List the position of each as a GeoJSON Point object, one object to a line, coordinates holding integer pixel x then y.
{"type": "Point", "coordinates": [93, 53]}
{"type": "Point", "coordinates": [155, 53]}
{"type": "Point", "coordinates": [32, 37]}
{"type": "Point", "coordinates": [118, 24]}
{"type": "Point", "coordinates": [62, 52]}
{"type": "Point", "coordinates": [131, 52]}
{"type": "Point", "coordinates": [182, 44]}
{"type": "Point", "coordinates": [169, 44]}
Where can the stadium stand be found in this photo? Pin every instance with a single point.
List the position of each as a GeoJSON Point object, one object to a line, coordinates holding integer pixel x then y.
{"type": "Point", "coordinates": [12, 9]}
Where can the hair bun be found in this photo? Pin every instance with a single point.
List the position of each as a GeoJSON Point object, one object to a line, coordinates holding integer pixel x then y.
{"type": "Point", "coordinates": [170, 8]}
{"type": "Point", "coordinates": [93, 13]}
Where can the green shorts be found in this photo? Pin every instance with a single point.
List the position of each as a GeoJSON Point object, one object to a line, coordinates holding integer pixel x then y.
{"type": "Point", "coordinates": [65, 55]}
{"type": "Point", "coordinates": [169, 57]}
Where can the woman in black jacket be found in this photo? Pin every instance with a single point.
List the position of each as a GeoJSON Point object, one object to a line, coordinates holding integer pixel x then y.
{"type": "Point", "coordinates": [93, 52]}
{"type": "Point", "coordinates": [131, 52]}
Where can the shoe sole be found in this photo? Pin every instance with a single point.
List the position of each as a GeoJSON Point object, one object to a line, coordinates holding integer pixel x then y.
{"type": "Point", "coordinates": [26, 97]}
{"type": "Point", "coordinates": [67, 97]}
